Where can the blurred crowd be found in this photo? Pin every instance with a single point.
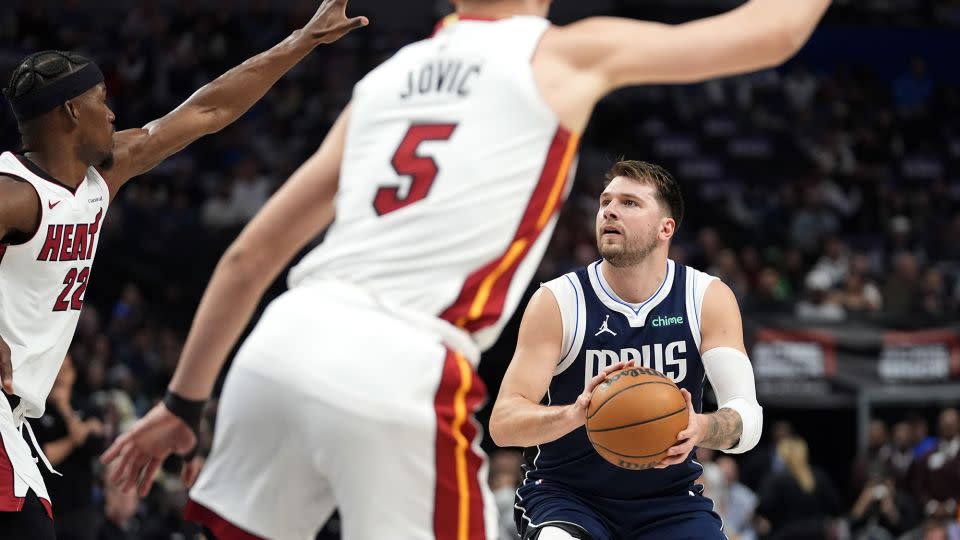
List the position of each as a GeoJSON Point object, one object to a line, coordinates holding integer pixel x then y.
{"type": "Point", "coordinates": [828, 195]}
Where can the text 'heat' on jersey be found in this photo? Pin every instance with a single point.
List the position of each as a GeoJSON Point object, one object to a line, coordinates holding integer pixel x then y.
{"type": "Point", "coordinates": [43, 280]}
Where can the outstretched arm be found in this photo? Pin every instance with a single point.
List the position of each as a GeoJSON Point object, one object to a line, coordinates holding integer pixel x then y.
{"type": "Point", "coordinates": [221, 102]}
{"type": "Point", "coordinates": [290, 219]}
{"type": "Point", "coordinates": [619, 52]}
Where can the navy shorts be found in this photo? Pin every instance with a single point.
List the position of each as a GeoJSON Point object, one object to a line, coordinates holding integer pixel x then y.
{"type": "Point", "coordinates": [675, 516]}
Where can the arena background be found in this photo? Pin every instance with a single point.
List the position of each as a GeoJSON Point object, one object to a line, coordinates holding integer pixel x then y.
{"type": "Point", "coordinates": [825, 193]}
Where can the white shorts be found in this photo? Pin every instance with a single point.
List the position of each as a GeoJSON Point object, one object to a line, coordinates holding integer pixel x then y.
{"type": "Point", "coordinates": [333, 403]}
{"type": "Point", "coordinates": [18, 468]}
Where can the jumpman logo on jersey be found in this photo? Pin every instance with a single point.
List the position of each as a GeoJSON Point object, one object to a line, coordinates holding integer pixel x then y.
{"type": "Point", "coordinates": [604, 327]}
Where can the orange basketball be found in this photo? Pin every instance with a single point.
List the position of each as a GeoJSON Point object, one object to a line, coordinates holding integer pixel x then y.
{"type": "Point", "coordinates": [634, 417]}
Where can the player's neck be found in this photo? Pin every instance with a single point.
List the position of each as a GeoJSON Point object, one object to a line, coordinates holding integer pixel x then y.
{"type": "Point", "coordinates": [491, 10]}
{"type": "Point", "coordinates": [56, 162]}
{"type": "Point", "coordinates": [636, 283]}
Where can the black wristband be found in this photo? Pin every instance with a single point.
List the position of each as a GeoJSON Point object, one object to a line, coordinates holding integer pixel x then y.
{"type": "Point", "coordinates": [188, 410]}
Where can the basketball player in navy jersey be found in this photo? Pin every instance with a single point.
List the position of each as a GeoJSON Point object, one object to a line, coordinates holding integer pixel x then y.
{"type": "Point", "coordinates": [54, 194]}
{"type": "Point", "coordinates": [633, 306]}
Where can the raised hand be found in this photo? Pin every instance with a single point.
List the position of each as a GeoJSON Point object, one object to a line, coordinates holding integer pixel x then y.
{"type": "Point", "coordinates": [331, 23]}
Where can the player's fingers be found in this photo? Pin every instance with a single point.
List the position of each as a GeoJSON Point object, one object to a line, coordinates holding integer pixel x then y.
{"type": "Point", "coordinates": [134, 473]}
{"type": "Point", "coordinates": [113, 451]}
{"type": "Point", "coordinates": [126, 457]}
{"type": "Point", "coordinates": [680, 450]}
{"type": "Point", "coordinates": [354, 23]}
{"type": "Point", "coordinates": [6, 368]}
{"type": "Point", "coordinates": [191, 470]}
{"type": "Point", "coordinates": [615, 367]}
{"type": "Point", "coordinates": [153, 467]}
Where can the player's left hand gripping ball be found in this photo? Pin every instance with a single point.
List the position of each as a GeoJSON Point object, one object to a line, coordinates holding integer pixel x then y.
{"type": "Point", "coordinates": [687, 439]}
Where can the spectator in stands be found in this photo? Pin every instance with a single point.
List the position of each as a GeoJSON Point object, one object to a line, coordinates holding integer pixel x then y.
{"type": "Point", "coordinates": [933, 293]}
{"type": "Point", "coordinates": [771, 295]}
{"type": "Point", "coordinates": [798, 501]}
{"type": "Point", "coordinates": [70, 434]}
{"type": "Point", "coordinates": [878, 448]}
{"type": "Point", "coordinates": [882, 511]}
{"type": "Point", "coordinates": [901, 452]}
{"type": "Point", "coordinates": [936, 479]}
{"type": "Point", "coordinates": [835, 261]}
{"type": "Point", "coordinates": [739, 501]}
{"type": "Point", "coordinates": [901, 290]}
{"type": "Point", "coordinates": [821, 304]}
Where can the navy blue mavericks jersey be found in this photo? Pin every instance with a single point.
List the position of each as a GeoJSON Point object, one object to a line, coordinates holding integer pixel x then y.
{"type": "Point", "coordinates": [600, 329]}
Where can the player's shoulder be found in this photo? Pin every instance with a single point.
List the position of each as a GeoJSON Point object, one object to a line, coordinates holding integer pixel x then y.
{"type": "Point", "coordinates": [564, 282]}
{"type": "Point", "coordinates": [699, 276]}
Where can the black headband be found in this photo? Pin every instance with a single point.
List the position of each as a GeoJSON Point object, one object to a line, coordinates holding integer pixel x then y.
{"type": "Point", "coordinates": [49, 97]}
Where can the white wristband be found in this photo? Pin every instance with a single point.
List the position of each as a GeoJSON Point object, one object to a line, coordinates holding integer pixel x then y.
{"type": "Point", "coordinates": [731, 376]}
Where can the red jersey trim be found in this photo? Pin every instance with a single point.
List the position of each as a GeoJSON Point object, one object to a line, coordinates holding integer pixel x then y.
{"type": "Point", "coordinates": [221, 528]}
{"type": "Point", "coordinates": [481, 301]}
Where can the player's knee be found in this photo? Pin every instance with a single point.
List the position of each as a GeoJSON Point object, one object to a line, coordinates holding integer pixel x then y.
{"type": "Point", "coordinates": [557, 533]}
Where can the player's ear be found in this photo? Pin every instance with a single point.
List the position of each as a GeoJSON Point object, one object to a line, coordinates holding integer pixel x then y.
{"type": "Point", "coordinates": [72, 109]}
{"type": "Point", "coordinates": [667, 227]}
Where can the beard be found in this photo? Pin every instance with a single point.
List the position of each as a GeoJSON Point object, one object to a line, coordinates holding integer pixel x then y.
{"type": "Point", "coordinates": [632, 251]}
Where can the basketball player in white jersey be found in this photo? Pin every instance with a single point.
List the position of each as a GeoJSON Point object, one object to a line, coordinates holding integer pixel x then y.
{"type": "Point", "coordinates": [445, 174]}
{"type": "Point", "coordinates": [53, 198]}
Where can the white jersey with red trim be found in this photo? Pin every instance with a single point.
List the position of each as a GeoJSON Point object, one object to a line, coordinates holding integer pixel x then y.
{"type": "Point", "coordinates": [43, 280]}
{"type": "Point", "coordinates": [453, 173]}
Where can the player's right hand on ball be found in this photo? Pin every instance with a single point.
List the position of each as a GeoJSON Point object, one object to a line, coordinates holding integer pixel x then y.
{"type": "Point", "coordinates": [6, 367]}
{"type": "Point", "coordinates": [141, 450]}
{"type": "Point", "coordinates": [579, 407]}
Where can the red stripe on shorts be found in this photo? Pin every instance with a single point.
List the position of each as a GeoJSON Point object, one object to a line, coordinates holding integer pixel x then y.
{"type": "Point", "coordinates": [458, 500]}
{"type": "Point", "coordinates": [221, 528]}
{"type": "Point", "coordinates": [8, 501]}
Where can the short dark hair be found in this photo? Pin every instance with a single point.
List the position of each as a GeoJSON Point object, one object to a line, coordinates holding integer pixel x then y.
{"type": "Point", "coordinates": [668, 191]}
{"type": "Point", "coordinates": [40, 69]}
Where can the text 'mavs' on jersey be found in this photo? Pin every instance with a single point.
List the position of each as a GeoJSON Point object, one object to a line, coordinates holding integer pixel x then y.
{"type": "Point", "coordinates": [600, 329]}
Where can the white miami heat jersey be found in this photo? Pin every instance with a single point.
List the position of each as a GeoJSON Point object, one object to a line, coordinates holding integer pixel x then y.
{"type": "Point", "coordinates": [453, 173]}
{"type": "Point", "coordinates": [43, 281]}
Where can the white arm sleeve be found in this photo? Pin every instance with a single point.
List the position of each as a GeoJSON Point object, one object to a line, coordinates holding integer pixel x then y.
{"type": "Point", "coordinates": [731, 376]}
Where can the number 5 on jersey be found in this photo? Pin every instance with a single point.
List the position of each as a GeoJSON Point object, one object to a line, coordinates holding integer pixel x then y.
{"type": "Point", "coordinates": [406, 161]}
